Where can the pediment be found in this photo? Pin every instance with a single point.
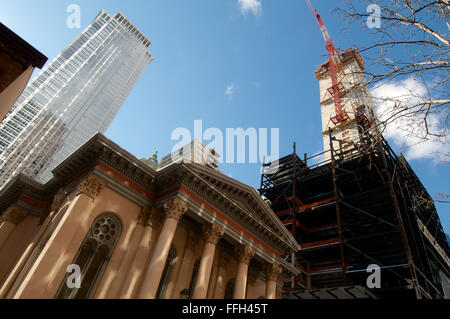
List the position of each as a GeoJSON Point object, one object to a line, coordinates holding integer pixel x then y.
{"type": "Point", "coordinates": [242, 203]}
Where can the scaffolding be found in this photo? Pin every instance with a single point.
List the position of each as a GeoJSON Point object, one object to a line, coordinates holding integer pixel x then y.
{"type": "Point", "coordinates": [365, 206]}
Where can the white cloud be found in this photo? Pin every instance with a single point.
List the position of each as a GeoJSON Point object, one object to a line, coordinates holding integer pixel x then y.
{"type": "Point", "coordinates": [229, 90]}
{"type": "Point", "coordinates": [409, 132]}
{"type": "Point", "coordinates": [252, 6]}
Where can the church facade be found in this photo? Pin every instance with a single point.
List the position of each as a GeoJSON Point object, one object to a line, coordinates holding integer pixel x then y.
{"type": "Point", "coordinates": [109, 226]}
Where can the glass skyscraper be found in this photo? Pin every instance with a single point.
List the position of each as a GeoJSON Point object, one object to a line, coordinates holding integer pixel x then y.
{"type": "Point", "coordinates": [75, 96]}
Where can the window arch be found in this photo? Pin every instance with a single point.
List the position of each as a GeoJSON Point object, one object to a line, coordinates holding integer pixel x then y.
{"type": "Point", "coordinates": [167, 272]}
{"type": "Point", "coordinates": [229, 289]}
{"type": "Point", "coordinates": [194, 277]}
{"type": "Point", "coordinates": [95, 250]}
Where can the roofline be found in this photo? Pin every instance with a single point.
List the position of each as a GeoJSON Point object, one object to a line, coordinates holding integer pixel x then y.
{"type": "Point", "coordinates": [37, 59]}
{"type": "Point", "coordinates": [100, 138]}
{"type": "Point", "coordinates": [275, 219]}
{"type": "Point", "coordinates": [119, 15]}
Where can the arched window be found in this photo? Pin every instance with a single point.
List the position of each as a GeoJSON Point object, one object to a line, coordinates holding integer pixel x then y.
{"type": "Point", "coordinates": [167, 272]}
{"type": "Point", "coordinates": [229, 289]}
{"type": "Point", "coordinates": [194, 277]}
{"type": "Point", "coordinates": [95, 250]}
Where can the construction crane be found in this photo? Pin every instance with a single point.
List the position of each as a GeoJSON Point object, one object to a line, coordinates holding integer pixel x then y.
{"type": "Point", "coordinates": [334, 66]}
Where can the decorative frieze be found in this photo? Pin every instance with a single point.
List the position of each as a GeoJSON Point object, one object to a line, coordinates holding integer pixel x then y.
{"type": "Point", "coordinates": [175, 208]}
{"type": "Point", "coordinates": [212, 233]}
{"type": "Point", "coordinates": [247, 211]}
{"type": "Point", "coordinates": [135, 174]}
{"type": "Point", "coordinates": [91, 186]}
{"type": "Point", "coordinates": [244, 253]}
{"type": "Point", "coordinates": [273, 271]}
{"type": "Point", "coordinates": [15, 215]}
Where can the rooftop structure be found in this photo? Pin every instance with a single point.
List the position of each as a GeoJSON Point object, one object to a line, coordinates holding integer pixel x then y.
{"type": "Point", "coordinates": [193, 152]}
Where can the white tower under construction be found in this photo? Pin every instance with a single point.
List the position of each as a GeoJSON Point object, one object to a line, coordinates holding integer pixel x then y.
{"type": "Point", "coordinates": [358, 110]}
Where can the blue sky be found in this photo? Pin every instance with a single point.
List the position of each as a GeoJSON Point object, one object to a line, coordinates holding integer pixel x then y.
{"type": "Point", "coordinates": [220, 62]}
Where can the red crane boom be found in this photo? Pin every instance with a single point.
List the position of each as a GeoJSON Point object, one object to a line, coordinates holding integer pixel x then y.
{"type": "Point", "coordinates": [334, 66]}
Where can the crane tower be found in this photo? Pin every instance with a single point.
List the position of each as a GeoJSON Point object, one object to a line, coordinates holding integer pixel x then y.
{"type": "Point", "coordinates": [347, 107]}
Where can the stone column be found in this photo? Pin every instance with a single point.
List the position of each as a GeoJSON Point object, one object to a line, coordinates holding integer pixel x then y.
{"type": "Point", "coordinates": [53, 255]}
{"type": "Point", "coordinates": [56, 205]}
{"type": "Point", "coordinates": [130, 284]}
{"type": "Point", "coordinates": [13, 216]}
{"type": "Point", "coordinates": [213, 278]}
{"type": "Point", "coordinates": [245, 254]}
{"type": "Point", "coordinates": [224, 261]}
{"type": "Point", "coordinates": [211, 233]}
{"type": "Point", "coordinates": [174, 209]}
{"type": "Point", "coordinates": [272, 273]}
{"type": "Point", "coordinates": [187, 264]}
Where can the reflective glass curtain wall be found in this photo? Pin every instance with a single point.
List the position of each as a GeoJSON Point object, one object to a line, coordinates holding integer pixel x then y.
{"type": "Point", "coordinates": [75, 96]}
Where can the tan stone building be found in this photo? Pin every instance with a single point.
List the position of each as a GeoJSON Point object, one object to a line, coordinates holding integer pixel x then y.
{"type": "Point", "coordinates": [182, 231]}
{"type": "Point", "coordinates": [18, 59]}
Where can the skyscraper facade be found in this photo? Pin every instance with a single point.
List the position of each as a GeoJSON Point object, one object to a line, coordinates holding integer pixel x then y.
{"type": "Point", "coordinates": [75, 96]}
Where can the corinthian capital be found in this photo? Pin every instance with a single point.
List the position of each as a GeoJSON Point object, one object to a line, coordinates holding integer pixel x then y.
{"type": "Point", "coordinates": [175, 208]}
{"type": "Point", "coordinates": [212, 233]}
{"type": "Point", "coordinates": [244, 253]}
{"type": "Point", "coordinates": [15, 215]}
{"type": "Point", "coordinates": [150, 217]}
{"type": "Point", "coordinates": [57, 200]}
{"type": "Point", "coordinates": [273, 271]}
{"type": "Point", "coordinates": [156, 218]}
{"type": "Point", "coordinates": [91, 186]}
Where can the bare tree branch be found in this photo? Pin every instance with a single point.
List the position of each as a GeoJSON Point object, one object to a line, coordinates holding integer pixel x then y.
{"type": "Point", "coordinates": [412, 45]}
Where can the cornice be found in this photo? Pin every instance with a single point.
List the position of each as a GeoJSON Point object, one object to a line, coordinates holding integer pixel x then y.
{"type": "Point", "coordinates": [233, 235]}
{"type": "Point", "coordinates": [253, 193]}
{"type": "Point", "coordinates": [244, 208]}
{"type": "Point", "coordinates": [233, 211]}
{"type": "Point", "coordinates": [238, 202]}
{"type": "Point", "coordinates": [19, 49]}
{"type": "Point", "coordinates": [101, 150]}
{"type": "Point", "coordinates": [22, 186]}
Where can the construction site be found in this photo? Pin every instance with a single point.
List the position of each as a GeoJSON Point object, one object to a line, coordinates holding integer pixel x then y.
{"type": "Point", "coordinates": [357, 206]}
